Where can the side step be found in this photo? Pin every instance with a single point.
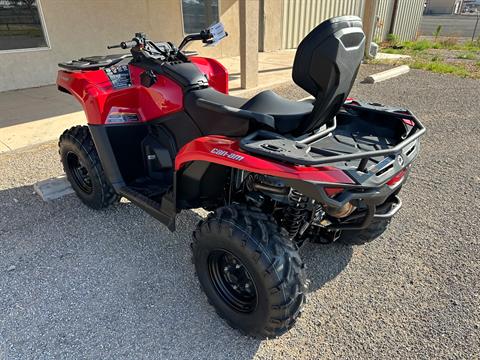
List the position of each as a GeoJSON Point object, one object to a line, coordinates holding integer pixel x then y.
{"type": "Point", "coordinates": [165, 211]}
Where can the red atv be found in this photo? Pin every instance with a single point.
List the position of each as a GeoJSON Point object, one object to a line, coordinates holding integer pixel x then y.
{"type": "Point", "coordinates": [164, 133]}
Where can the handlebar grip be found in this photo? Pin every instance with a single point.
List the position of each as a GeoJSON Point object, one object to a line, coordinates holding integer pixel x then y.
{"type": "Point", "coordinates": [128, 44]}
{"type": "Point", "coordinates": [124, 45]}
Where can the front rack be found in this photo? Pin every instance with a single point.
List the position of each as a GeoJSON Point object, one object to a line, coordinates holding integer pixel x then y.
{"type": "Point", "coordinates": [297, 150]}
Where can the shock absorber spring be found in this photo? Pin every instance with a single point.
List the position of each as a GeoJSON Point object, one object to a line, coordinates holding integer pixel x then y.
{"type": "Point", "coordinates": [295, 214]}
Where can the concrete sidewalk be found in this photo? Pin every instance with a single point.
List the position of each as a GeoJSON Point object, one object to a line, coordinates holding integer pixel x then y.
{"type": "Point", "coordinates": [36, 115]}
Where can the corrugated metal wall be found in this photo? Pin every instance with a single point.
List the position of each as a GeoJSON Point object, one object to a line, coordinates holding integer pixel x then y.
{"type": "Point", "coordinates": [301, 16]}
{"type": "Point", "coordinates": [384, 13]}
{"type": "Point", "coordinates": [409, 15]}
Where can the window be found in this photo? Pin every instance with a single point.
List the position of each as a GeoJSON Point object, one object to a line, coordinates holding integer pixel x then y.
{"type": "Point", "coordinates": [21, 25]}
{"type": "Point", "coordinates": [199, 14]}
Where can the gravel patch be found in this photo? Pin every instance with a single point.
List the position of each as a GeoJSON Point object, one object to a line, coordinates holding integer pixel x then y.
{"type": "Point", "coordinates": [77, 283]}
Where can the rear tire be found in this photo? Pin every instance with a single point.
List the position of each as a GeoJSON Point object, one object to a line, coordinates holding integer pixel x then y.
{"type": "Point", "coordinates": [83, 168]}
{"type": "Point", "coordinates": [249, 270]}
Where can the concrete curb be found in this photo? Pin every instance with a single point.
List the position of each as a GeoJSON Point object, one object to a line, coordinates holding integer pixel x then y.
{"type": "Point", "coordinates": [387, 74]}
{"type": "Point", "coordinates": [54, 188]}
{"type": "Point", "coordinates": [386, 56]}
{"type": "Point", "coordinates": [37, 132]}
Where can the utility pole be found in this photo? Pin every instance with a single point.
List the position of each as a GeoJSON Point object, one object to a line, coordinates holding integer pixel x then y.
{"type": "Point", "coordinates": [369, 19]}
{"type": "Point", "coordinates": [249, 14]}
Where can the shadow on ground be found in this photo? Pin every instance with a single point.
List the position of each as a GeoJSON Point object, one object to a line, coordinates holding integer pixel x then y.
{"type": "Point", "coordinates": [82, 283]}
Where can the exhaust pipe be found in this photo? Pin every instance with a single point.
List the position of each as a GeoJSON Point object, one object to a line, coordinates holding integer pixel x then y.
{"type": "Point", "coordinates": [341, 212]}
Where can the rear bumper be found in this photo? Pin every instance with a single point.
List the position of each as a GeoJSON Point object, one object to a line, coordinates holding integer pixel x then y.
{"type": "Point", "coordinates": [362, 220]}
{"type": "Point", "coordinates": [351, 193]}
{"type": "Point", "coordinates": [372, 203]}
{"type": "Point", "coordinates": [396, 205]}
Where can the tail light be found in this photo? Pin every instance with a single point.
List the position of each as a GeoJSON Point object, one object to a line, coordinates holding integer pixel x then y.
{"type": "Point", "coordinates": [397, 178]}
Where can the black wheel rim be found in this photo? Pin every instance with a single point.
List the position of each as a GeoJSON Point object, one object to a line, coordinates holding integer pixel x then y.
{"type": "Point", "coordinates": [232, 281]}
{"type": "Point", "coordinates": [79, 173]}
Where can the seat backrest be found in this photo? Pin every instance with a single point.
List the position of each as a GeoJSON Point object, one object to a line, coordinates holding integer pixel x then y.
{"type": "Point", "coordinates": [326, 64]}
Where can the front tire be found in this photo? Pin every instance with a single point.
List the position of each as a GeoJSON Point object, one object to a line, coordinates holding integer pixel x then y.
{"type": "Point", "coordinates": [83, 168]}
{"type": "Point", "coordinates": [251, 273]}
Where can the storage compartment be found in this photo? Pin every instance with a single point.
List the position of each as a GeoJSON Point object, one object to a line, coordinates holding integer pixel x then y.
{"type": "Point", "coordinates": [362, 132]}
{"type": "Point", "coordinates": [364, 137]}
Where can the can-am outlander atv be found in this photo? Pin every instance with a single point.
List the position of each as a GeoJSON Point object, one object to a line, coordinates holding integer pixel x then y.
{"type": "Point", "coordinates": [164, 133]}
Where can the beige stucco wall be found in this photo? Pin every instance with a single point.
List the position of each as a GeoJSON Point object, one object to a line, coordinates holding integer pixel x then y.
{"type": "Point", "coordinates": [273, 14]}
{"type": "Point", "coordinates": [79, 28]}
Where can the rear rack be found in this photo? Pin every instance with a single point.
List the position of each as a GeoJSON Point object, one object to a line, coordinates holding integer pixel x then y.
{"type": "Point", "coordinates": [93, 62]}
{"type": "Point", "coordinates": [297, 150]}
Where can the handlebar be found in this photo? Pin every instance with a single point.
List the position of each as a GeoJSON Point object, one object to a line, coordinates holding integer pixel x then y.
{"type": "Point", "coordinates": [142, 47]}
{"type": "Point", "coordinates": [193, 37]}
{"type": "Point", "coordinates": [139, 39]}
{"type": "Point", "coordinates": [205, 36]}
{"type": "Point", "coordinates": [124, 45]}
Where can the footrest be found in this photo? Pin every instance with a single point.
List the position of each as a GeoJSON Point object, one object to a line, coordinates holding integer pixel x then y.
{"type": "Point", "coordinates": [164, 211]}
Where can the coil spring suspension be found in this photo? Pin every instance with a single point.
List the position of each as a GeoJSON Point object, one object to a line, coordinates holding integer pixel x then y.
{"type": "Point", "coordinates": [295, 214]}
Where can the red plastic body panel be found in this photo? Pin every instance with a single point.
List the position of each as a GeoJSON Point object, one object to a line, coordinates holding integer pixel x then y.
{"type": "Point", "coordinates": [225, 151]}
{"type": "Point", "coordinates": [216, 73]}
{"type": "Point", "coordinates": [100, 99]}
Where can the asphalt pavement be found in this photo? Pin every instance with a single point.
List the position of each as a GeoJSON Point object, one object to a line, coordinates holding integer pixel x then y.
{"type": "Point", "coordinates": [452, 25]}
{"type": "Point", "coordinates": [116, 284]}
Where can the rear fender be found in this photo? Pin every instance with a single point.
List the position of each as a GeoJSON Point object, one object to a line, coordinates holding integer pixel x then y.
{"type": "Point", "coordinates": [226, 151]}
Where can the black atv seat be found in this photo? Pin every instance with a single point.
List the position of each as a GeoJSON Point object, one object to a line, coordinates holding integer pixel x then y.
{"type": "Point", "coordinates": [217, 113]}
{"type": "Point", "coordinates": [326, 64]}
{"type": "Point", "coordinates": [287, 114]}
{"type": "Point", "coordinates": [93, 62]}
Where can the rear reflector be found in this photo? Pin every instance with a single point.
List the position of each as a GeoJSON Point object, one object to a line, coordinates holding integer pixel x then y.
{"type": "Point", "coordinates": [398, 176]}
{"type": "Point", "coordinates": [331, 192]}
